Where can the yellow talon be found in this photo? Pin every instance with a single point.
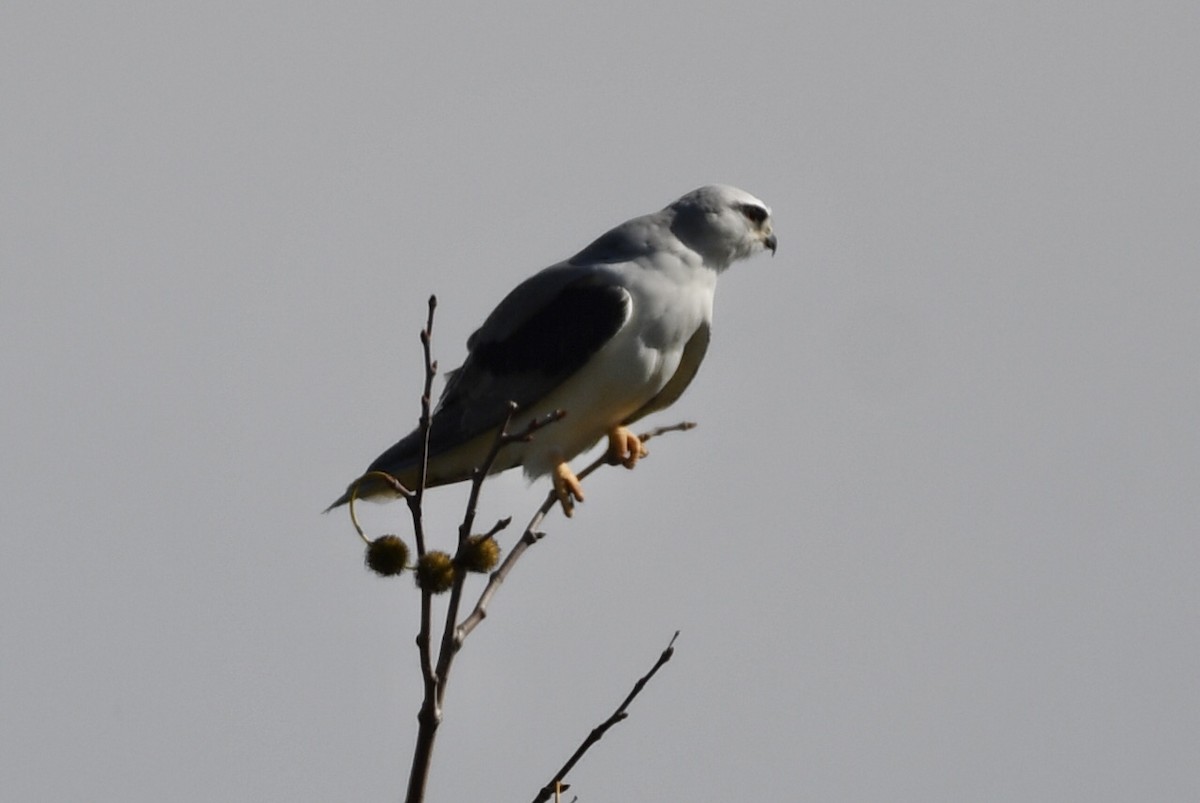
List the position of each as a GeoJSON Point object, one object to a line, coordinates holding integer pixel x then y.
{"type": "Point", "coordinates": [624, 447]}
{"type": "Point", "coordinates": [566, 488]}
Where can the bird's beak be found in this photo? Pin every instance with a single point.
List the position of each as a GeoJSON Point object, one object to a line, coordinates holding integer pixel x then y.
{"type": "Point", "coordinates": [770, 242]}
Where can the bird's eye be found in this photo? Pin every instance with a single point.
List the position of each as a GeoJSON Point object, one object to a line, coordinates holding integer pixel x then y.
{"type": "Point", "coordinates": [755, 214]}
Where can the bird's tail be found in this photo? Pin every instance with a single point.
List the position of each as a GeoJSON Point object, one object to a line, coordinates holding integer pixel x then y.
{"type": "Point", "coordinates": [341, 500]}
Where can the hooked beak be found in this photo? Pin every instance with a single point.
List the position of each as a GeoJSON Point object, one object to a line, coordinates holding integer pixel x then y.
{"type": "Point", "coordinates": [770, 242]}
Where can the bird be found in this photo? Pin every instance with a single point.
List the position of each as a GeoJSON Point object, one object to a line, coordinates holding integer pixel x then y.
{"type": "Point", "coordinates": [610, 335]}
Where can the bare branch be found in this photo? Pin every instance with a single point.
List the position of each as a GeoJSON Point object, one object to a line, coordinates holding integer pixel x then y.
{"type": "Point", "coordinates": [503, 438]}
{"type": "Point", "coordinates": [598, 732]}
{"type": "Point", "coordinates": [498, 526]}
{"type": "Point", "coordinates": [425, 424]}
{"type": "Point", "coordinates": [602, 460]}
{"type": "Point", "coordinates": [424, 637]}
{"type": "Point", "coordinates": [430, 715]}
{"type": "Point", "coordinates": [531, 536]}
{"type": "Point", "coordinates": [528, 538]}
{"type": "Point", "coordinates": [450, 643]}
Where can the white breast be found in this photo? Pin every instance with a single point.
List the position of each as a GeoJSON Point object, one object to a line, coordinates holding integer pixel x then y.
{"type": "Point", "coordinates": [667, 308]}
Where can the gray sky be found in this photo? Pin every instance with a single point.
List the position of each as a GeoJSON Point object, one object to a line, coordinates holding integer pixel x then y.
{"type": "Point", "coordinates": [934, 540]}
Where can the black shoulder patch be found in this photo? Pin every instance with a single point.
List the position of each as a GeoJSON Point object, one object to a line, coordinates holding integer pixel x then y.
{"type": "Point", "coordinates": [560, 337]}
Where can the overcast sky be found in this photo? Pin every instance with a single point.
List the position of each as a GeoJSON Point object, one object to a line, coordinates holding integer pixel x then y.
{"type": "Point", "coordinates": [935, 538]}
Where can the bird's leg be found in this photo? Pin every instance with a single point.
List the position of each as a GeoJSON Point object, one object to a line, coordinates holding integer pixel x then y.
{"type": "Point", "coordinates": [566, 488]}
{"type": "Point", "coordinates": [624, 447]}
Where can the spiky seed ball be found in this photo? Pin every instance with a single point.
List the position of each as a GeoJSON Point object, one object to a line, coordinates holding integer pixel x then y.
{"type": "Point", "coordinates": [387, 555]}
{"type": "Point", "coordinates": [479, 554]}
{"type": "Point", "coordinates": [435, 572]}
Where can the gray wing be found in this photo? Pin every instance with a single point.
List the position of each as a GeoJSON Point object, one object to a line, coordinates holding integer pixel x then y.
{"type": "Point", "coordinates": [627, 242]}
{"type": "Point", "coordinates": [544, 331]}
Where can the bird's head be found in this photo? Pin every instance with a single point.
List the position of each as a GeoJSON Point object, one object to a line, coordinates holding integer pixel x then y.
{"type": "Point", "coordinates": [723, 224]}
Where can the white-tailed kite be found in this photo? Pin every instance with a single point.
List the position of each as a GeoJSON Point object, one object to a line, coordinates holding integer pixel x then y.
{"type": "Point", "coordinates": [612, 334]}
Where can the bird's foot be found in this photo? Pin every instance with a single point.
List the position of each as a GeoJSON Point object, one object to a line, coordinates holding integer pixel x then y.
{"type": "Point", "coordinates": [566, 488]}
{"type": "Point", "coordinates": [625, 448]}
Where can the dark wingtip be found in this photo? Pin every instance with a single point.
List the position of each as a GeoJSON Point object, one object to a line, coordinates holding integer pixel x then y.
{"type": "Point", "coordinates": [343, 499]}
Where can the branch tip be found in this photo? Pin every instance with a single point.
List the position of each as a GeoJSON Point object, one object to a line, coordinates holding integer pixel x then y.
{"type": "Point", "coordinates": [598, 732]}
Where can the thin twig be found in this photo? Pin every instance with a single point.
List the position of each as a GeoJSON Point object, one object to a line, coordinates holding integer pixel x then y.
{"type": "Point", "coordinates": [424, 636]}
{"type": "Point", "coordinates": [531, 536]}
{"type": "Point", "coordinates": [426, 425]}
{"type": "Point", "coordinates": [430, 714]}
{"type": "Point", "coordinates": [503, 438]}
{"type": "Point", "coordinates": [598, 732]}
{"type": "Point", "coordinates": [450, 644]}
{"type": "Point", "coordinates": [502, 524]}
